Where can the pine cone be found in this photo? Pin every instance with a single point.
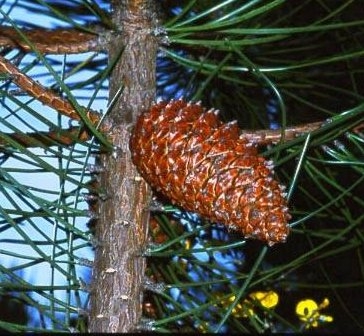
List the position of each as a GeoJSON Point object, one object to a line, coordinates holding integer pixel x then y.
{"type": "Point", "coordinates": [204, 166]}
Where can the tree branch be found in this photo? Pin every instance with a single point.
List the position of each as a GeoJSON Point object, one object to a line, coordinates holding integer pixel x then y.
{"type": "Point", "coordinates": [122, 228]}
{"type": "Point", "coordinates": [44, 95]}
{"type": "Point", "coordinates": [58, 41]}
{"type": "Point", "coordinates": [65, 137]}
{"type": "Point", "coordinates": [265, 137]}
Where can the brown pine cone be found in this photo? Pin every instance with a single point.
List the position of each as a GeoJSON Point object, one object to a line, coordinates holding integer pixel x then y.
{"type": "Point", "coordinates": [204, 166]}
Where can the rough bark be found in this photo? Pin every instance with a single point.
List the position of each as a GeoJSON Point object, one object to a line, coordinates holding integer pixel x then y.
{"type": "Point", "coordinates": [121, 232]}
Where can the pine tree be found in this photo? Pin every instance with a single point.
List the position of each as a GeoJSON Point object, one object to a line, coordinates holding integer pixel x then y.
{"type": "Point", "coordinates": [288, 72]}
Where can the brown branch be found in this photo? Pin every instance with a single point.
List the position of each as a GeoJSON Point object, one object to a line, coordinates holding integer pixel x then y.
{"type": "Point", "coordinates": [265, 137]}
{"type": "Point", "coordinates": [44, 95]}
{"type": "Point", "coordinates": [58, 41]}
{"type": "Point", "coordinates": [118, 275]}
{"type": "Point", "coordinates": [64, 137]}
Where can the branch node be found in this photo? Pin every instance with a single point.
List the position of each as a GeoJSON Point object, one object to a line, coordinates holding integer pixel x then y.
{"type": "Point", "coordinates": [116, 152]}
{"type": "Point", "coordinates": [91, 197]}
{"type": "Point", "coordinates": [95, 169]}
{"type": "Point", "coordinates": [124, 297]}
{"type": "Point", "coordinates": [84, 286]}
{"type": "Point", "coordinates": [110, 270]}
{"type": "Point", "coordinates": [85, 262]}
{"type": "Point", "coordinates": [137, 178]}
{"type": "Point", "coordinates": [95, 242]}
{"type": "Point", "coordinates": [151, 285]}
{"type": "Point", "coordinates": [162, 35]}
{"type": "Point", "coordinates": [83, 312]}
{"type": "Point", "coordinates": [123, 222]}
{"type": "Point", "coordinates": [145, 324]}
{"type": "Point", "coordinates": [156, 206]}
{"type": "Point", "coordinates": [90, 214]}
{"type": "Point", "coordinates": [150, 248]}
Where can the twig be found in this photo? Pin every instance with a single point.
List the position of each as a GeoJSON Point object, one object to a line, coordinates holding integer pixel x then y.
{"type": "Point", "coordinates": [62, 136]}
{"type": "Point", "coordinates": [58, 41]}
{"type": "Point", "coordinates": [44, 95]}
{"type": "Point", "coordinates": [265, 137]}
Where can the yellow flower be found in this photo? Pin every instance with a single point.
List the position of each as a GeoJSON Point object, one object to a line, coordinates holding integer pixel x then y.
{"type": "Point", "coordinates": [266, 299]}
{"type": "Point", "coordinates": [308, 312]}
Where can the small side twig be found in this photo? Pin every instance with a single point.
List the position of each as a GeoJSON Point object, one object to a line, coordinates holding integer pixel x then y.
{"type": "Point", "coordinates": [58, 41]}
{"type": "Point", "coordinates": [265, 137]}
{"type": "Point", "coordinates": [65, 137]}
{"type": "Point", "coordinates": [44, 95]}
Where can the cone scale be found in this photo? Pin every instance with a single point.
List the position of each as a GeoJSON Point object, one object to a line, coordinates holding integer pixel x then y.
{"type": "Point", "coordinates": [205, 166]}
